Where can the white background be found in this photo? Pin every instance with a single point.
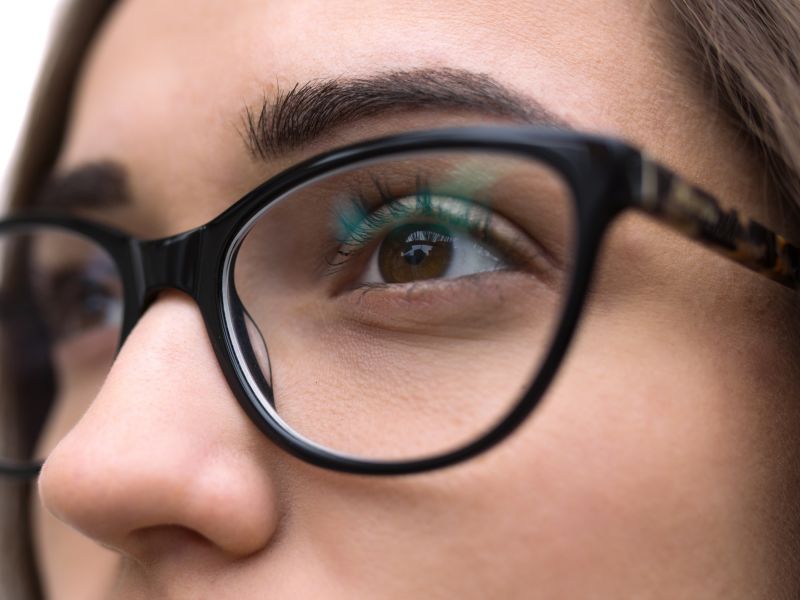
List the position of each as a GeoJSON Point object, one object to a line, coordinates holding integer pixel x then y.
{"type": "Point", "coordinates": [24, 32]}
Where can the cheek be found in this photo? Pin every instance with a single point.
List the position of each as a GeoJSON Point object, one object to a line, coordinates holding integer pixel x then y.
{"type": "Point", "coordinates": [668, 437]}
{"type": "Point", "coordinates": [662, 458]}
{"type": "Point", "coordinates": [630, 475]}
{"type": "Point", "coordinates": [651, 451]}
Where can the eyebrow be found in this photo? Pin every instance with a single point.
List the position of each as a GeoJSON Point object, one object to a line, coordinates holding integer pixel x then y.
{"type": "Point", "coordinates": [304, 113]}
{"type": "Point", "coordinates": [101, 184]}
{"type": "Point", "coordinates": [294, 118]}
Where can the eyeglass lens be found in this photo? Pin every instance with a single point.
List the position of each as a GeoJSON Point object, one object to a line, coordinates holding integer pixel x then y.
{"type": "Point", "coordinates": [60, 316]}
{"type": "Point", "coordinates": [400, 308]}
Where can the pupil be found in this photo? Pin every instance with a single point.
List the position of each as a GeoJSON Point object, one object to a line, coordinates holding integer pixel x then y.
{"type": "Point", "coordinates": [415, 252]}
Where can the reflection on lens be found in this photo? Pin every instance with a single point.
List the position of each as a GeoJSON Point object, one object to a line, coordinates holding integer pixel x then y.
{"type": "Point", "coordinates": [406, 303]}
{"type": "Point", "coordinates": [60, 315]}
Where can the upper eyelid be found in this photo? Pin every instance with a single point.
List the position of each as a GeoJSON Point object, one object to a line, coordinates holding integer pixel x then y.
{"type": "Point", "coordinates": [419, 205]}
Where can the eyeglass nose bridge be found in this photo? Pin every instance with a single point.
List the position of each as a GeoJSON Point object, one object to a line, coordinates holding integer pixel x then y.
{"type": "Point", "coordinates": [170, 263]}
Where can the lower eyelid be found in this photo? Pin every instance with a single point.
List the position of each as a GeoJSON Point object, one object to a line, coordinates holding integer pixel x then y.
{"type": "Point", "coordinates": [496, 296]}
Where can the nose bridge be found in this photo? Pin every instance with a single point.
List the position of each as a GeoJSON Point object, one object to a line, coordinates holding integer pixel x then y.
{"type": "Point", "coordinates": [172, 263]}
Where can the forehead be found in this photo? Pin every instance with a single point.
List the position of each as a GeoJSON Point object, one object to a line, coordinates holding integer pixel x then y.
{"type": "Point", "coordinates": [166, 83]}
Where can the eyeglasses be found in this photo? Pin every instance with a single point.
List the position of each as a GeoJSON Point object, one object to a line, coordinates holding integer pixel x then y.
{"type": "Point", "coordinates": [391, 307]}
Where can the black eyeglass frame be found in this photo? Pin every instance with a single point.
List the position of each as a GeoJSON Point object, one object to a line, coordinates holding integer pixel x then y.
{"type": "Point", "coordinates": [605, 176]}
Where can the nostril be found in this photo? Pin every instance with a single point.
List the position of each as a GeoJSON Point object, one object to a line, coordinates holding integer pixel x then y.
{"type": "Point", "coordinates": [157, 544]}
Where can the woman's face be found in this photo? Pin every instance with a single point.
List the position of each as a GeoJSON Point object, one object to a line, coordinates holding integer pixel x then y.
{"type": "Point", "coordinates": [662, 461]}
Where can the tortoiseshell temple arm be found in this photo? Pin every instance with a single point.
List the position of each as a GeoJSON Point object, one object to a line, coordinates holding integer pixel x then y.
{"type": "Point", "coordinates": [697, 214]}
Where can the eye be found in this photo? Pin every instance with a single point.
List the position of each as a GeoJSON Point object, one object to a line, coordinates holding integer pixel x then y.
{"type": "Point", "coordinates": [429, 237]}
{"type": "Point", "coordinates": [422, 251]}
{"type": "Point", "coordinates": [75, 299]}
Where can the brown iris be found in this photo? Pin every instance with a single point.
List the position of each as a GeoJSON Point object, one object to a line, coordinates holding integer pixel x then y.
{"type": "Point", "coordinates": [415, 252]}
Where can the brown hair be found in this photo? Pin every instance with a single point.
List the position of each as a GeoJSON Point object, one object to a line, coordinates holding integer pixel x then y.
{"type": "Point", "coordinates": [749, 52]}
{"type": "Point", "coordinates": [42, 139]}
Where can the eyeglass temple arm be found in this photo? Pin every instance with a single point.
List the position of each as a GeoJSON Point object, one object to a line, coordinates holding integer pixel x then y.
{"type": "Point", "coordinates": [21, 470]}
{"type": "Point", "coordinates": [698, 214]}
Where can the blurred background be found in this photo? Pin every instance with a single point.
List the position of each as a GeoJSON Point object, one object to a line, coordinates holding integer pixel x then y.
{"type": "Point", "coordinates": [24, 32]}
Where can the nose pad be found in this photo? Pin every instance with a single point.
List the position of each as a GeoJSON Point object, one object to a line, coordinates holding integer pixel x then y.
{"type": "Point", "coordinates": [257, 360]}
{"type": "Point", "coordinates": [259, 347]}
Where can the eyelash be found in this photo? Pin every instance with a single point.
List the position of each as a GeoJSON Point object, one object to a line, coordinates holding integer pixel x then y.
{"type": "Point", "coordinates": [361, 222]}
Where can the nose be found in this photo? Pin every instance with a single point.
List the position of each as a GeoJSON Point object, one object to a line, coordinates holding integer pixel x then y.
{"type": "Point", "coordinates": [164, 448]}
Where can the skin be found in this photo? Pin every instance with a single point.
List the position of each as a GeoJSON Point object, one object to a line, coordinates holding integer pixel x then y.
{"type": "Point", "coordinates": [662, 464]}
